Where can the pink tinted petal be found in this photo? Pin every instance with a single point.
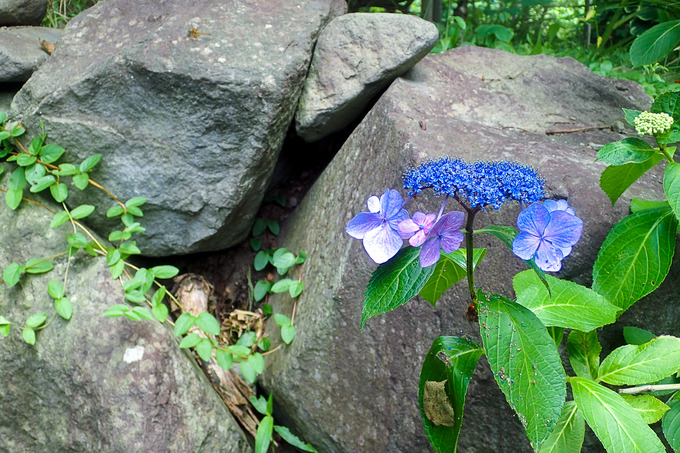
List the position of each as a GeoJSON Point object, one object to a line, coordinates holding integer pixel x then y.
{"type": "Point", "coordinates": [419, 218]}
{"type": "Point", "coordinates": [525, 245]}
{"type": "Point", "coordinates": [390, 203]}
{"type": "Point", "coordinates": [429, 254]}
{"type": "Point", "coordinates": [533, 219]}
{"type": "Point", "coordinates": [548, 257]}
{"type": "Point", "coordinates": [451, 240]}
{"type": "Point", "coordinates": [382, 243]}
{"type": "Point", "coordinates": [418, 239]}
{"type": "Point", "coordinates": [362, 223]}
{"type": "Point", "coordinates": [373, 204]}
{"type": "Point", "coordinates": [564, 229]}
{"type": "Point", "coordinates": [408, 226]}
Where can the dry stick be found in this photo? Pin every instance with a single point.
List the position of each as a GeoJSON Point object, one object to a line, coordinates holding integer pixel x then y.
{"type": "Point", "coordinates": [580, 129]}
{"type": "Point", "coordinates": [650, 388]}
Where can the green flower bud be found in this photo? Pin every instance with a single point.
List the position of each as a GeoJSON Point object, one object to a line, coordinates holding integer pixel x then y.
{"type": "Point", "coordinates": [653, 123]}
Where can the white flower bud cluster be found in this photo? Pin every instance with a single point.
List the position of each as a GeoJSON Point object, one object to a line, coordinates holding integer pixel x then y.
{"type": "Point", "coordinates": [648, 123]}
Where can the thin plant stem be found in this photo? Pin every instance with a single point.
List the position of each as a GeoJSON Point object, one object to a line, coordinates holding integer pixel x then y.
{"type": "Point", "coordinates": [650, 388]}
{"type": "Point", "coordinates": [470, 253]}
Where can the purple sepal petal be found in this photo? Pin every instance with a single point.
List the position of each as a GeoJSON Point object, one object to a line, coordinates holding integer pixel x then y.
{"type": "Point", "coordinates": [382, 243]}
{"type": "Point", "coordinates": [451, 221]}
{"type": "Point", "coordinates": [408, 226]}
{"type": "Point", "coordinates": [391, 203]}
{"type": "Point", "coordinates": [451, 240]}
{"type": "Point", "coordinates": [548, 257]}
{"type": "Point", "coordinates": [564, 229]}
{"type": "Point", "coordinates": [525, 245]}
{"type": "Point", "coordinates": [533, 219]}
{"type": "Point", "coordinates": [430, 253]}
{"type": "Point", "coordinates": [362, 223]}
{"type": "Point", "coordinates": [418, 239]}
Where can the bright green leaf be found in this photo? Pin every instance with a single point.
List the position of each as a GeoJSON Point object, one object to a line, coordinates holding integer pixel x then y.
{"type": "Point", "coordinates": [261, 289]}
{"type": "Point", "coordinates": [295, 289]}
{"type": "Point", "coordinates": [449, 270]}
{"type": "Point", "coordinates": [618, 426]}
{"type": "Point", "coordinates": [671, 186]}
{"type": "Point", "coordinates": [247, 371]}
{"type": "Point", "coordinates": [651, 409]}
{"type": "Point", "coordinates": [204, 350]}
{"type": "Point", "coordinates": [164, 272]}
{"type": "Point", "coordinates": [207, 323]}
{"type": "Point", "coordinates": [190, 341]}
{"type": "Point", "coordinates": [281, 320]}
{"type": "Point", "coordinates": [628, 150]}
{"type": "Point", "coordinates": [293, 440]}
{"type": "Point", "coordinates": [288, 334]}
{"type": "Point", "coordinates": [130, 248]}
{"type": "Point", "coordinates": [117, 269]}
{"type": "Point", "coordinates": [24, 160]}
{"type": "Point", "coordinates": [257, 362]}
{"type": "Point", "coordinates": [224, 359]}
{"type": "Point", "coordinates": [525, 364]}
{"type": "Point", "coordinates": [394, 283]}
{"type": "Point", "coordinates": [635, 256]}
{"type": "Point", "coordinates": [115, 211]}
{"type": "Point", "coordinates": [36, 320]}
{"type": "Point", "coordinates": [43, 183]}
{"type": "Point", "coordinates": [668, 102]}
{"type": "Point", "coordinates": [183, 323]}
{"type": "Point", "coordinates": [59, 218]}
{"type": "Point", "coordinates": [81, 180]}
{"type": "Point", "coordinates": [569, 431]}
{"type": "Point", "coordinates": [444, 378]}
{"type": "Point", "coordinates": [655, 43]}
{"type": "Point", "coordinates": [282, 285]}
{"type": "Point", "coordinates": [261, 260]}
{"type": "Point", "coordinates": [616, 179]}
{"type": "Point", "coordinates": [671, 422]}
{"type": "Point", "coordinates": [117, 310]}
{"type": "Point", "coordinates": [584, 353]}
{"type": "Point", "coordinates": [637, 205]}
{"type": "Point", "coordinates": [55, 289]}
{"type": "Point", "coordinates": [28, 335]}
{"type": "Point", "coordinates": [82, 211]}
{"type": "Point", "coordinates": [12, 274]}
{"type": "Point", "coordinates": [569, 305]}
{"type": "Point", "coordinates": [38, 266]}
{"type": "Point", "coordinates": [13, 198]}
{"type": "Point", "coordinates": [160, 312]}
{"type": "Point", "coordinates": [59, 192]}
{"type": "Point", "coordinates": [143, 313]}
{"type": "Point", "coordinates": [635, 335]}
{"type": "Point", "coordinates": [641, 364]}
{"type": "Point", "coordinates": [50, 153]}
{"type": "Point", "coordinates": [263, 436]}
{"type": "Point", "coordinates": [89, 163]}
{"type": "Point", "coordinates": [630, 116]}
{"type": "Point", "coordinates": [135, 201]}
{"type": "Point", "coordinates": [63, 308]}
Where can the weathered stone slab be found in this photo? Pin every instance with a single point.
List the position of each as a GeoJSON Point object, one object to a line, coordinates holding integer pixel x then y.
{"type": "Point", "coordinates": [21, 53]}
{"type": "Point", "coordinates": [357, 56]}
{"type": "Point", "coordinates": [188, 102]}
{"type": "Point", "coordinates": [22, 12]}
{"type": "Point", "coordinates": [95, 383]}
{"type": "Point", "coordinates": [347, 390]}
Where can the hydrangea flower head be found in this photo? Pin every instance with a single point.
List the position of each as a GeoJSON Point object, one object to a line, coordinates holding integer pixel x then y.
{"type": "Point", "coordinates": [417, 228]}
{"type": "Point", "coordinates": [445, 235]}
{"type": "Point", "coordinates": [647, 123]}
{"type": "Point", "coordinates": [480, 184]}
{"type": "Point", "coordinates": [548, 232]}
{"type": "Point", "coordinates": [378, 228]}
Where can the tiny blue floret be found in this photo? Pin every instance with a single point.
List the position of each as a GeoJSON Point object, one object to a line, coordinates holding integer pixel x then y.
{"type": "Point", "coordinates": [480, 184]}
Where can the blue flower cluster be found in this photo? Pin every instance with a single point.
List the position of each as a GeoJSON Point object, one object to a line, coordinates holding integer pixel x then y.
{"type": "Point", "coordinates": [480, 183]}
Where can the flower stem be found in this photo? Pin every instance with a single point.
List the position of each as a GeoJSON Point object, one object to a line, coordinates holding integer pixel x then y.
{"type": "Point", "coordinates": [666, 154]}
{"type": "Point", "coordinates": [470, 253]}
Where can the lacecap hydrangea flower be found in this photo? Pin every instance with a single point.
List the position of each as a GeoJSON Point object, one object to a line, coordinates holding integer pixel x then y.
{"type": "Point", "coordinates": [480, 184]}
{"type": "Point", "coordinates": [378, 228]}
{"type": "Point", "coordinates": [647, 123]}
{"type": "Point", "coordinates": [548, 232]}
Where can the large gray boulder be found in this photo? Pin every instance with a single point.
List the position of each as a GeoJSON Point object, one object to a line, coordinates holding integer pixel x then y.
{"type": "Point", "coordinates": [188, 102]}
{"type": "Point", "coordinates": [347, 390]}
{"type": "Point", "coordinates": [357, 56]}
{"type": "Point", "coordinates": [22, 12]}
{"type": "Point", "coordinates": [21, 52]}
{"type": "Point", "coordinates": [95, 383]}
